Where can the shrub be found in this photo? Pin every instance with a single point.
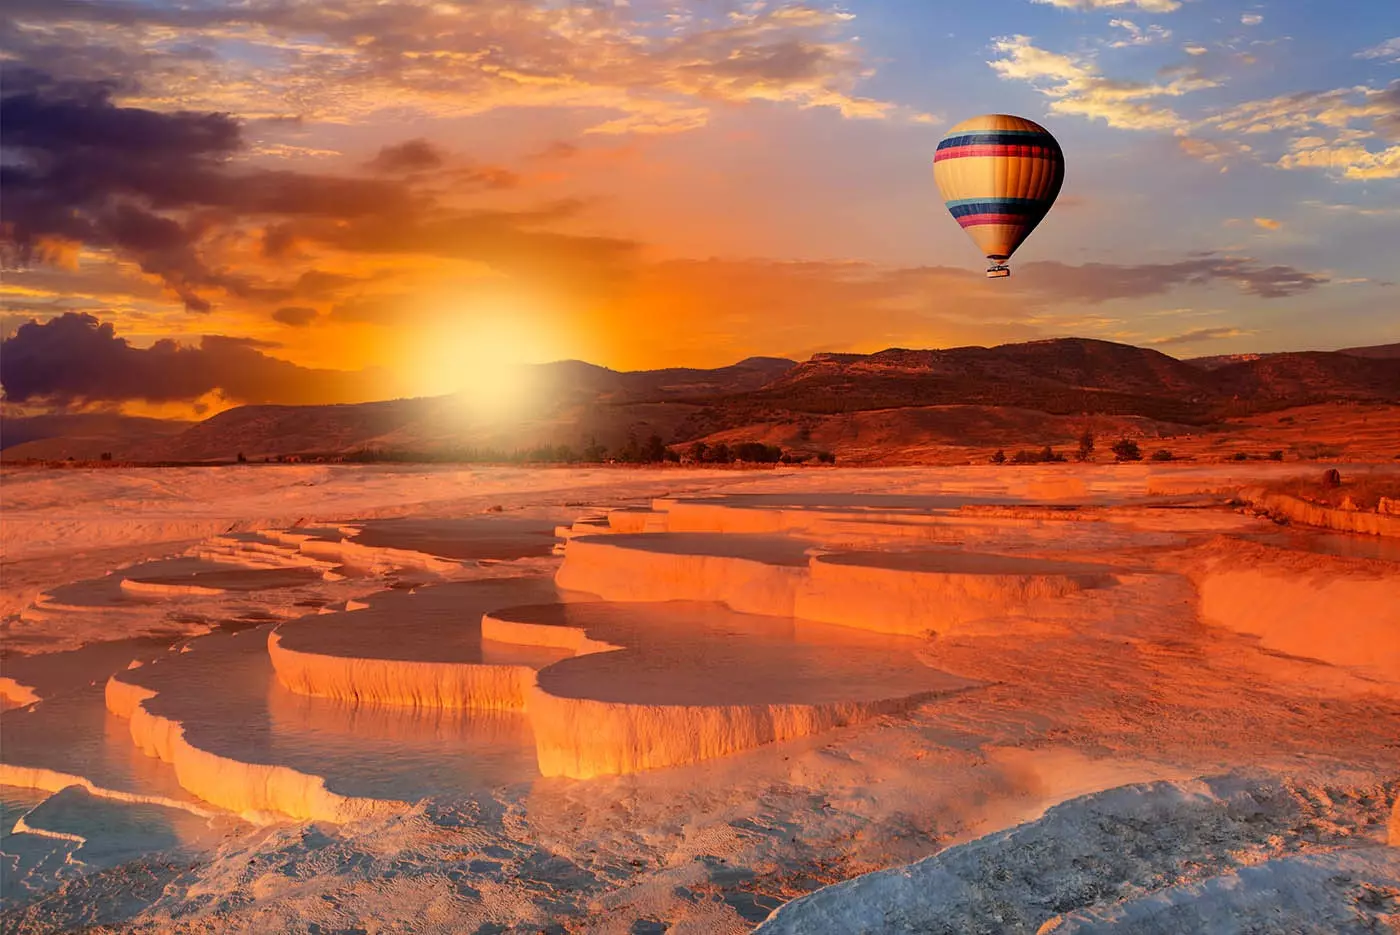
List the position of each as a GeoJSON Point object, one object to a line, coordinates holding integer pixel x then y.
{"type": "Point", "coordinates": [719, 454]}
{"type": "Point", "coordinates": [1125, 449]}
{"type": "Point", "coordinates": [1048, 454]}
{"type": "Point", "coordinates": [826, 457]}
{"type": "Point", "coordinates": [107, 456]}
{"type": "Point", "coordinates": [1240, 456]}
{"type": "Point", "coordinates": [1086, 446]}
{"type": "Point", "coordinates": [242, 458]}
{"type": "Point", "coordinates": [757, 452]}
{"type": "Point", "coordinates": [595, 453]}
{"type": "Point", "coordinates": [1276, 455]}
{"type": "Point", "coordinates": [698, 451]}
{"type": "Point", "coordinates": [1163, 454]}
{"type": "Point", "coordinates": [999, 457]}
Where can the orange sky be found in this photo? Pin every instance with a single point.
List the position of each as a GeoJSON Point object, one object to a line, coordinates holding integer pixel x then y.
{"type": "Point", "coordinates": [420, 191]}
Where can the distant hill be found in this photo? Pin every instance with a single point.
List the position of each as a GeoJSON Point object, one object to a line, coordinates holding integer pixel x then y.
{"type": "Point", "coordinates": [1377, 351]}
{"type": "Point", "coordinates": [893, 400]}
{"type": "Point", "coordinates": [81, 435]}
{"type": "Point", "coordinates": [1382, 351]}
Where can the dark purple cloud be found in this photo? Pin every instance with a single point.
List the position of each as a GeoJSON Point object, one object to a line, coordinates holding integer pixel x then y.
{"type": "Point", "coordinates": [409, 156]}
{"type": "Point", "coordinates": [159, 187]}
{"type": "Point", "coordinates": [75, 359]}
{"type": "Point", "coordinates": [297, 316]}
{"type": "Point", "coordinates": [1098, 282]}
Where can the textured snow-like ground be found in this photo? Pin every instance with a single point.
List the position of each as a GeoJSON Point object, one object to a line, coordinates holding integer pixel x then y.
{"type": "Point", "coordinates": [1219, 856]}
{"type": "Point", "coordinates": [1096, 690]}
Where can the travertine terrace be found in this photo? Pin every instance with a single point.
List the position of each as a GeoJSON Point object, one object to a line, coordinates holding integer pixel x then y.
{"type": "Point", "coordinates": [645, 701]}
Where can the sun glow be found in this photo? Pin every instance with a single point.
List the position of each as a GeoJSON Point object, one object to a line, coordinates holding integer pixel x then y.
{"type": "Point", "coordinates": [484, 358]}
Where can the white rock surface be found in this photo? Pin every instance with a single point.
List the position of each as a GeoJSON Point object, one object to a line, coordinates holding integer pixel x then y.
{"type": "Point", "coordinates": [1221, 856]}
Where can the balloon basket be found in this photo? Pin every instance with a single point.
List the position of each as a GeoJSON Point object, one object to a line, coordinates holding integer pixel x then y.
{"type": "Point", "coordinates": [998, 271]}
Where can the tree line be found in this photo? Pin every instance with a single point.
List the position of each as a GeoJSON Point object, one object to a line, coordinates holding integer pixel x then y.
{"type": "Point", "coordinates": [652, 450]}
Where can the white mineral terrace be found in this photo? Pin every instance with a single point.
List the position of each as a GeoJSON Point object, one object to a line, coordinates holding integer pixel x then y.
{"type": "Point", "coordinates": [676, 701]}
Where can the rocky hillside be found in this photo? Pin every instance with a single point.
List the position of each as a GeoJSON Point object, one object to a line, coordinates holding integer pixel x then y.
{"type": "Point", "coordinates": [893, 400]}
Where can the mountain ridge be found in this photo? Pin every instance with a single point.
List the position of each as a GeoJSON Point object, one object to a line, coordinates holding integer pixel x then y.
{"type": "Point", "coordinates": [578, 404]}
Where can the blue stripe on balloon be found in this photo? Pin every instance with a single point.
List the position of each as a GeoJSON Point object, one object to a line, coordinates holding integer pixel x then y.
{"type": "Point", "coordinates": [1023, 206]}
{"type": "Point", "coordinates": [999, 138]}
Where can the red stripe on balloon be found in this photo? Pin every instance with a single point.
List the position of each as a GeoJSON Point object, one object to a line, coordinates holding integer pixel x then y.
{"type": "Point", "coordinates": [958, 152]}
{"type": "Point", "coordinates": [974, 220]}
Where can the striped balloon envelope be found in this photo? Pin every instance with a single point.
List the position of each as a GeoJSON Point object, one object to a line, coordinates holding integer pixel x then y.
{"type": "Point", "coordinates": [999, 175]}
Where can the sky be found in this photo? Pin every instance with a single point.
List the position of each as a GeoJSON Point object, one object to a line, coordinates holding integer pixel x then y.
{"type": "Point", "coordinates": [293, 201]}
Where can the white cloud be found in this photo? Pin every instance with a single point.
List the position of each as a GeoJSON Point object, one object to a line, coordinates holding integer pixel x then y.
{"type": "Point", "coordinates": [1076, 88]}
{"type": "Point", "coordinates": [1193, 49]}
{"type": "Point", "coordinates": [1251, 19]}
{"type": "Point", "coordinates": [1336, 109]}
{"type": "Point", "coordinates": [1388, 50]}
{"type": "Point", "coordinates": [1150, 6]}
{"type": "Point", "coordinates": [1137, 35]}
{"type": "Point", "coordinates": [1349, 160]}
{"type": "Point", "coordinates": [1337, 131]}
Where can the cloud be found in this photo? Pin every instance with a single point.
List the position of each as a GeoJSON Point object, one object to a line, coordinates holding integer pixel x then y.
{"type": "Point", "coordinates": [1251, 19]}
{"type": "Point", "coordinates": [1150, 6]}
{"type": "Point", "coordinates": [1075, 87]}
{"type": "Point", "coordinates": [1097, 282]}
{"type": "Point", "coordinates": [1335, 109]}
{"type": "Point", "coordinates": [1200, 334]}
{"type": "Point", "coordinates": [1215, 152]}
{"type": "Point", "coordinates": [1194, 49]}
{"type": "Point", "coordinates": [1367, 211]}
{"type": "Point", "coordinates": [75, 359]}
{"type": "Point", "coordinates": [160, 188]}
{"type": "Point", "coordinates": [1388, 50]}
{"type": "Point", "coordinates": [295, 316]}
{"type": "Point", "coordinates": [1344, 131]}
{"type": "Point", "coordinates": [1348, 160]}
{"type": "Point", "coordinates": [409, 156]}
{"type": "Point", "coordinates": [1268, 224]}
{"type": "Point", "coordinates": [341, 60]}
{"type": "Point", "coordinates": [1137, 35]}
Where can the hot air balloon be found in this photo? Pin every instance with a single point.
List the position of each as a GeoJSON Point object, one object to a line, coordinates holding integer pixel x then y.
{"type": "Point", "coordinates": [999, 175]}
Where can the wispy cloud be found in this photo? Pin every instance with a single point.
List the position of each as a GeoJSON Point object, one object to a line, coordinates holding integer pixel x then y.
{"type": "Point", "coordinates": [1138, 35]}
{"type": "Point", "coordinates": [1388, 50]}
{"type": "Point", "coordinates": [343, 60]}
{"type": "Point", "coordinates": [1150, 6]}
{"type": "Point", "coordinates": [1076, 87]}
{"type": "Point", "coordinates": [1200, 334]}
{"type": "Point", "coordinates": [1337, 131]}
